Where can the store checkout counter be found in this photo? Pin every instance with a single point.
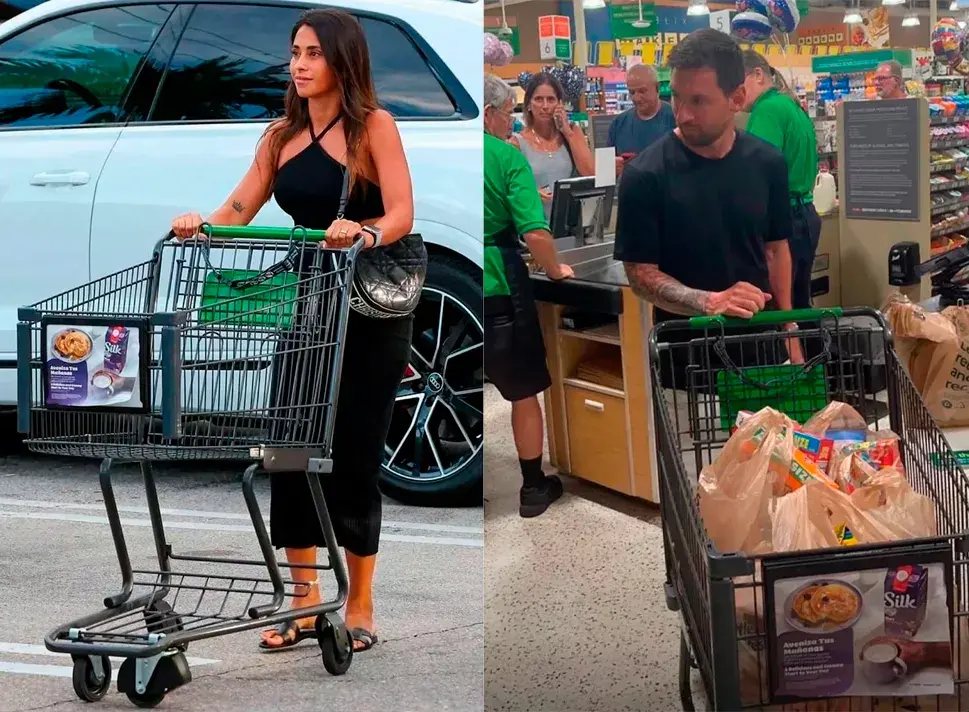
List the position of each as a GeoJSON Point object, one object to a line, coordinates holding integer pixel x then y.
{"type": "Point", "coordinates": [598, 411]}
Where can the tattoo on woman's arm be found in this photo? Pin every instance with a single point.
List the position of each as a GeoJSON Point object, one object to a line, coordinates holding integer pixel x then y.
{"type": "Point", "coordinates": [664, 291]}
{"type": "Point", "coordinates": [237, 206]}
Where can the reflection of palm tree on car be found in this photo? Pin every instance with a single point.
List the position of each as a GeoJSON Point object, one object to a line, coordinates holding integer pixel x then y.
{"type": "Point", "coordinates": [216, 88]}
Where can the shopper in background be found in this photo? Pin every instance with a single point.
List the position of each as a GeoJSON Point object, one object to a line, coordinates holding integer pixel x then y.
{"type": "Point", "coordinates": [704, 213]}
{"type": "Point", "coordinates": [888, 81]}
{"type": "Point", "coordinates": [648, 120]}
{"type": "Point", "coordinates": [514, 352]}
{"type": "Point", "coordinates": [777, 117]}
{"type": "Point", "coordinates": [554, 147]}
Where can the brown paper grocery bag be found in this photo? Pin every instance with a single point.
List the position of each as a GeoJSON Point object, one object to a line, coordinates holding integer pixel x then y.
{"type": "Point", "coordinates": [934, 348]}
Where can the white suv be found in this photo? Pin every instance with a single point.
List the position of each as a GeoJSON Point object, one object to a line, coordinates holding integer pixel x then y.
{"type": "Point", "coordinates": [116, 115]}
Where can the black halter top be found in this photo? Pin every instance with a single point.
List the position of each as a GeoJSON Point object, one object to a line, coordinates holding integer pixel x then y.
{"type": "Point", "coordinates": [308, 188]}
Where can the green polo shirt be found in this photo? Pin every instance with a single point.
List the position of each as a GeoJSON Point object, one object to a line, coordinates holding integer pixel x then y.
{"type": "Point", "coordinates": [511, 199]}
{"type": "Point", "coordinates": [778, 119]}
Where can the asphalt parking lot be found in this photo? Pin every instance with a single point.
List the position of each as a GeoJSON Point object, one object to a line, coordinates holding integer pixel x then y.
{"type": "Point", "coordinates": [57, 562]}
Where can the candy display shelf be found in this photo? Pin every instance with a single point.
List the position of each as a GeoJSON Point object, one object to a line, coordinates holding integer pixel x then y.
{"type": "Point", "coordinates": [952, 228]}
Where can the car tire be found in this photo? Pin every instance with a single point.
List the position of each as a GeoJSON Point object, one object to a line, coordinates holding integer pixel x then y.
{"type": "Point", "coordinates": [451, 277]}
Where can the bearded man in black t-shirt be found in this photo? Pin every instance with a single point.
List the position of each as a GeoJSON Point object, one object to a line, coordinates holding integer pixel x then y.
{"type": "Point", "coordinates": [704, 213]}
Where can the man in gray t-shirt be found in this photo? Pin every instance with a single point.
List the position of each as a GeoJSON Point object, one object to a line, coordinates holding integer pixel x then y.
{"type": "Point", "coordinates": [649, 119]}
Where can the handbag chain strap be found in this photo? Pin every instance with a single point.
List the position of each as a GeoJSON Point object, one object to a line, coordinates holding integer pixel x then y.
{"type": "Point", "coordinates": [284, 265]}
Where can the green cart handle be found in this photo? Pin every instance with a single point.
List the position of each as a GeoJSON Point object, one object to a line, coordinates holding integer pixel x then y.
{"type": "Point", "coordinates": [767, 318]}
{"type": "Point", "coordinates": [253, 232]}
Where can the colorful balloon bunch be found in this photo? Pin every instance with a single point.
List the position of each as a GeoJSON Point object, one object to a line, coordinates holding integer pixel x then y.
{"type": "Point", "coordinates": [951, 45]}
{"type": "Point", "coordinates": [497, 53]}
{"type": "Point", "coordinates": [756, 20]}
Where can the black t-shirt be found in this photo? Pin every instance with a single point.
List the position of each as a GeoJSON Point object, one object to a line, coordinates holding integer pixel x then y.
{"type": "Point", "coordinates": [704, 221]}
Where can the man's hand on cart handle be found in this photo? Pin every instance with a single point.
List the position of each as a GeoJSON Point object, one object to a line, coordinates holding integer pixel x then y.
{"type": "Point", "coordinates": [187, 226]}
{"type": "Point", "coordinates": [742, 300]}
{"type": "Point", "coordinates": [559, 272]}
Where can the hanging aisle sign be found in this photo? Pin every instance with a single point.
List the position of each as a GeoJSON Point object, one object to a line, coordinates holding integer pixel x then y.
{"type": "Point", "coordinates": [555, 37]}
{"type": "Point", "coordinates": [720, 20]}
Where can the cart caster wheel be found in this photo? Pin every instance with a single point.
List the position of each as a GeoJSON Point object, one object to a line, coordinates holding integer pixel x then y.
{"type": "Point", "coordinates": [170, 673]}
{"type": "Point", "coordinates": [161, 618]}
{"type": "Point", "coordinates": [146, 700]}
{"type": "Point", "coordinates": [88, 684]}
{"type": "Point", "coordinates": [336, 657]}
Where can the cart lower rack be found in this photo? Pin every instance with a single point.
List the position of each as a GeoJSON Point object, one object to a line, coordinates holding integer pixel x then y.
{"type": "Point", "coordinates": [706, 370]}
{"type": "Point", "coordinates": [228, 346]}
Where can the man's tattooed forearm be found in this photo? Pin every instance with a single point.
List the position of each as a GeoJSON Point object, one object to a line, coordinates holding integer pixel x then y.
{"type": "Point", "coordinates": [237, 206]}
{"type": "Point", "coordinates": [665, 292]}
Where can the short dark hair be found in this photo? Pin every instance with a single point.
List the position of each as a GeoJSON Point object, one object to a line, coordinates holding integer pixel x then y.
{"type": "Point", "coordinates": [711, 49]}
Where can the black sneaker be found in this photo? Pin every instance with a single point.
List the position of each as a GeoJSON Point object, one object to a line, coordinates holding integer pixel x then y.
{"type": "Point", "coordinates": [535, 500]}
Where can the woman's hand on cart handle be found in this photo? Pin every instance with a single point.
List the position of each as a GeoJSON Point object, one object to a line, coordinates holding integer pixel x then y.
{"type": "Point", "coordinates": [343, 233]}
{"type": "Point", "coordinates": [741, 300]}
{"type": "Point", "coordinates": [187, 226]}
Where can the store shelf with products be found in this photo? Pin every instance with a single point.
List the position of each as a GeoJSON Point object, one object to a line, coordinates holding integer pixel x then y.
{"type": "Point", "coordinates": [948, 172]}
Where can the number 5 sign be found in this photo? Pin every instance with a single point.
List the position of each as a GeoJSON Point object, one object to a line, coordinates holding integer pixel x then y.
{"type": "Point", "coordinates": [720, 20]}
{"type": "Point", "coordinates": [554, 37]}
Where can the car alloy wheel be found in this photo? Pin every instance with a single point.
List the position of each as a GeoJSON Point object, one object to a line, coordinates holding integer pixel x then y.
{"type": "Point", "coordinates": [437, 427]}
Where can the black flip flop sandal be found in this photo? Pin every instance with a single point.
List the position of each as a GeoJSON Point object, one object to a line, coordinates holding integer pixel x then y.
{"type": "Point", "coordinates": [291, 634]}
{"type": "Point", "coordinates": [362, 635]}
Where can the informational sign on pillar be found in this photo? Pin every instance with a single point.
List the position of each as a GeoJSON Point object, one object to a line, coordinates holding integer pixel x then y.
{"type": "Point", "coordinates": [555, 37]}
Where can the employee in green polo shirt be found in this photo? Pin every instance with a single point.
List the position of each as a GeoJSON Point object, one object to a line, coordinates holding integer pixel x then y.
{"type": "Point", "coordinates": [777, 117]}
{"type": "Point", "coordinates": [514, 352]}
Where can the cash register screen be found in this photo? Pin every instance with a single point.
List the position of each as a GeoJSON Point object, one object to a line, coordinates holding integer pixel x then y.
{"type": "Point", "coordinates": [575, 208]}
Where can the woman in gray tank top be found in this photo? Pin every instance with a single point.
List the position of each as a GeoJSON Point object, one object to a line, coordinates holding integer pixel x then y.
{"type": "Point", "coordinates": [554, 148]}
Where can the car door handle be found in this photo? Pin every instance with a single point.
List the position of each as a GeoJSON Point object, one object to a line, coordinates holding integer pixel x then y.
{"type": "Point", "coordinates": [67, 178]}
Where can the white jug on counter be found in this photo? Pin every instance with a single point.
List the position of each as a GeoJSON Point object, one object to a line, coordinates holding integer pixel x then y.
{"type": "Point", "coordinates": [825, 193]}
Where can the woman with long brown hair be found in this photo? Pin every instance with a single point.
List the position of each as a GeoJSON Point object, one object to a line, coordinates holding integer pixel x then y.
{"type": "Point", "coordinates": [554, 147]}
{"type": "Point", "coordinates": [333, 126]}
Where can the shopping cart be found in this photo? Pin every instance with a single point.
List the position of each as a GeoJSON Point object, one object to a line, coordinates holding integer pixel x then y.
{"type": "Point", "coordinates": [224, 347]}
{"type": "Point", "coordinates": [703, 372]}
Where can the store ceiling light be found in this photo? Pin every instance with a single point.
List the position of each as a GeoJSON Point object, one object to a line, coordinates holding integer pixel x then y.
{"type": "Point", "coordinates": [641, 23]}
{"type": "Point", "coordinates": [697, 8]}
{"type": "Point", "coordinates": [593, 4]}
{"type": "Point", "coordinates": [893, 2]}
{"type": "Point", "coordinates": [911, 21]}
{"type": "Point", "coordinates": [853, 17]}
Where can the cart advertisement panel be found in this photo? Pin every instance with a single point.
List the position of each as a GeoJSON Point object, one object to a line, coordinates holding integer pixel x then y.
{"type": "Point", "coordinates": [883, 630]}
{"type": "Point", "coordinates": [95, 364]}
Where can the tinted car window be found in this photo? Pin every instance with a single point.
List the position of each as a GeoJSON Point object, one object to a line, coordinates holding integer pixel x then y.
{"type": "Point", "coordinates": [233, 63]}
{"type": "Point", "coordinates": [76, 69]}
{"type": "Point", "coordinates": [405, 84]}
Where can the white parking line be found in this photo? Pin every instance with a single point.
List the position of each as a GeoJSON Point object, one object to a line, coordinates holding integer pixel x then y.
{"type": "Point", "coordinates": [32, 669]}
{"type": "Point", "coordinates": [205, 526]}
{"type": "Point", "coordinates": [233, 516]}
{"type": "Point", "coordinates": [28, 649]}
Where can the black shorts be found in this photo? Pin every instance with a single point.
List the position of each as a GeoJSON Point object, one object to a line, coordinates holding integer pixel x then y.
{"type": "Point", "coordinates": [514, 352]}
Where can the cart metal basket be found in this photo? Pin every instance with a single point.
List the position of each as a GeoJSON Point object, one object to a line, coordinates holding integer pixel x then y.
{"type": "Point", "coordinates": [228, 346]}
{"type": "Point", "coordinates": [703, 371]}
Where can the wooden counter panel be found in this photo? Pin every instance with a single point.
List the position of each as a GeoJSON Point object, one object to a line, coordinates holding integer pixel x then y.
{"type": "Point", "coordinates": [597, 437]}
{"type": "Point", "coordinates": [636, 320]}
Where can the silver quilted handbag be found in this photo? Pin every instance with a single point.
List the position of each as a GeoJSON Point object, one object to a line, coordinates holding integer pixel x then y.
{"type": "Point", "coordinates": [388, 280]}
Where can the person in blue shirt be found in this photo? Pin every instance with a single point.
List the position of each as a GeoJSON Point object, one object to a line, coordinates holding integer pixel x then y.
{"type": "Point", "coordinates": [648, 120]}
